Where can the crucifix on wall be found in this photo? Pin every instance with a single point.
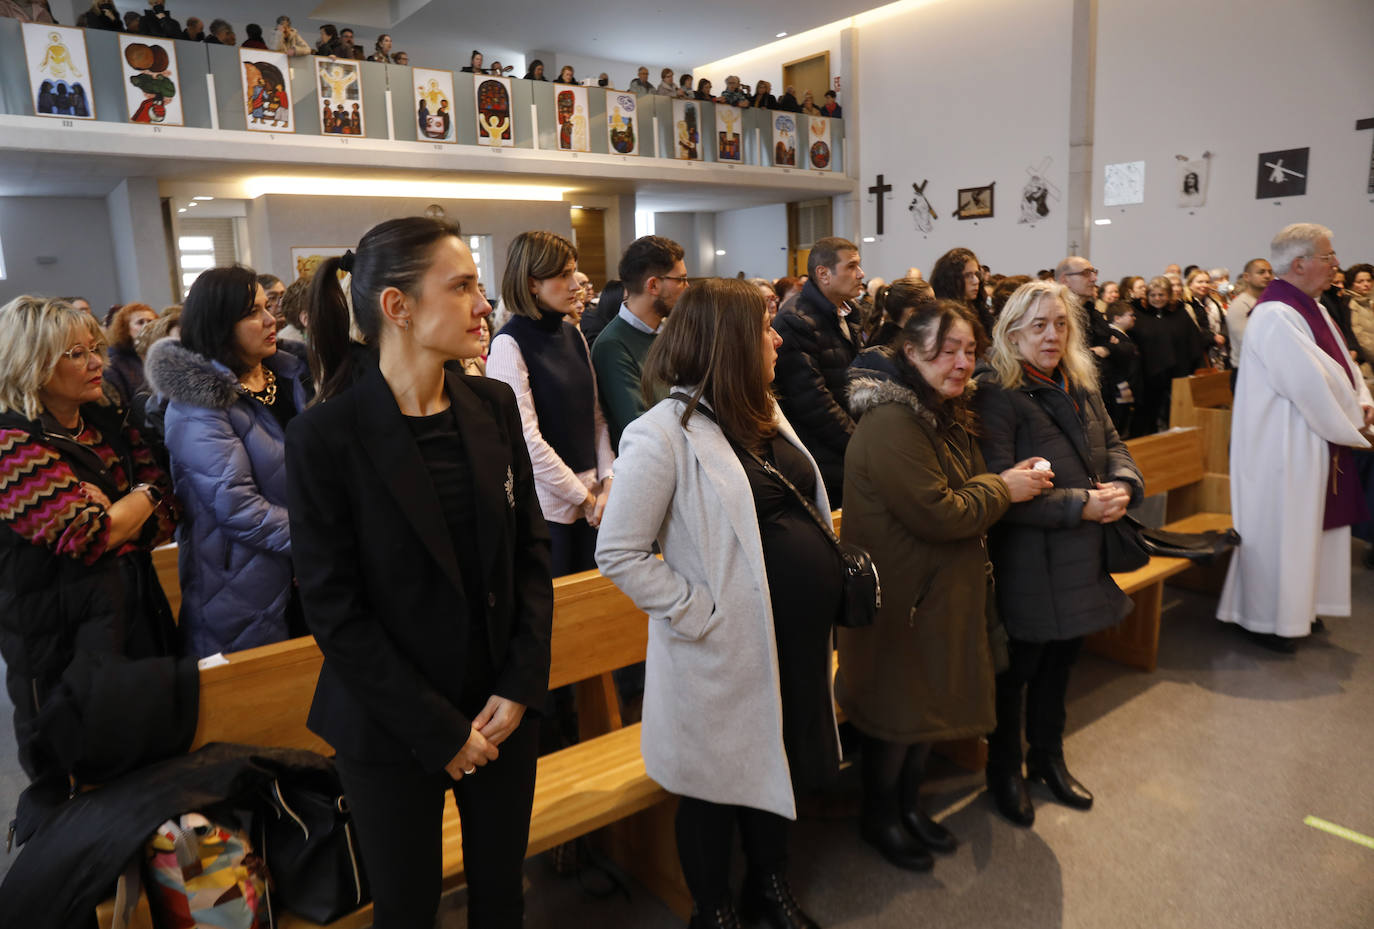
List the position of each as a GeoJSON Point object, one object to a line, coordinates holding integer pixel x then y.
{"type": "Point", "coordinates": [1360, 126]}
{"type": "Point", "coordinates": [880, 191]}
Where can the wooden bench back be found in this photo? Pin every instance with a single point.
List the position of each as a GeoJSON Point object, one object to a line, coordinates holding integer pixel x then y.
{"type": "Point", "coordinates": [1168, 460]}
{"type": "Point", "coordinates": [262, 696]}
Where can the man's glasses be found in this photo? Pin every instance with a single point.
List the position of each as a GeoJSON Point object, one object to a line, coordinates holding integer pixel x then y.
{"type": "Point", "coordinates": [1083, 271]}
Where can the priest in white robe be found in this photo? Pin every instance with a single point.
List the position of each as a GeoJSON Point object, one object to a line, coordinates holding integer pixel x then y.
{"type": "Point", "coordinates": [1300, 407]}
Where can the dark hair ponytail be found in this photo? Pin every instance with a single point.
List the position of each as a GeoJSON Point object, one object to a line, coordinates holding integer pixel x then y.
{"type": "Point", "coordinates": [891, 303]}
{"type": "Point", "coordinates": [395, 253]}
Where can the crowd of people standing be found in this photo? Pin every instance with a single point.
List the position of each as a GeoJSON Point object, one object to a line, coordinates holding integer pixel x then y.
{"type": "Point", "coordinates": [405, 485]}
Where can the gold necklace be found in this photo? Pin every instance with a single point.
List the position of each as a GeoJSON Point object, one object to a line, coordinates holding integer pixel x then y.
{"type": "Point", "coordinates": [268, 395]}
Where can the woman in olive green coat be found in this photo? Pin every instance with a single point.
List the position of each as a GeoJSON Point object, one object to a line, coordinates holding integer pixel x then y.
{"type": "Point", "coordinates": [918, 498]}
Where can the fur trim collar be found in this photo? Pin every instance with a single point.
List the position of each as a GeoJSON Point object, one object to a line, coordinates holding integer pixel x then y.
{"type": "Point", "coordinates": [178, 374]}
{"type": "Point", "coordinates": [868, 392]}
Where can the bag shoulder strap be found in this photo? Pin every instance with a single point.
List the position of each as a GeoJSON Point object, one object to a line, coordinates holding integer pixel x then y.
{"type": "Point", "coordinates": [770, 470]}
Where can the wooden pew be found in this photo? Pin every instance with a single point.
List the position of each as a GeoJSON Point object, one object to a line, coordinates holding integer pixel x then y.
{"type": "Point", "coordinates": [261, 697]}
{"type": "Point", "coordinates": [1172, 463]}
{"type": "Point", "coordinates": [1204, 400]}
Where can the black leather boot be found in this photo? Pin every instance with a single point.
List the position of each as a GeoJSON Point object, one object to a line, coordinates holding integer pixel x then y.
{"type": "Point", "coordinates": [880, 820]}
{"type": "Point", "coordinates": [1055, 775]}
{"type": "Point", "coordinates": [1013, 800]}
{"type": "Point", "coordinates": [717, 917]}
{"type": "Point", "coordinates": [768, 898]}
{"type": "Point", "coordinates": [931, 834]}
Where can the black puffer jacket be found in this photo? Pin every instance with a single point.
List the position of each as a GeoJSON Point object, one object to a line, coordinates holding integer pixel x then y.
{"type": "Point", "coordinates": [811, 382]}
{"type": "Point", "coordinates": [1051, 580]}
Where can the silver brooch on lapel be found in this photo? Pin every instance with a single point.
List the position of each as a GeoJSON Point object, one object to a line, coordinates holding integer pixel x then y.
{"type": "Point", "coordinates": [510, 487]}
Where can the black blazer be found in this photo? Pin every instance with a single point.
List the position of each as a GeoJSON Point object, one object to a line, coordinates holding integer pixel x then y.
{"type": "Point", "coordinates": [379, 579]}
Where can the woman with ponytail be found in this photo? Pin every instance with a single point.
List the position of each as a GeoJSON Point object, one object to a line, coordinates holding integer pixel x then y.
{"type": "Point", "coordinates": [423, 564]}
{"type": "Point", "coordinates": [542, 355]}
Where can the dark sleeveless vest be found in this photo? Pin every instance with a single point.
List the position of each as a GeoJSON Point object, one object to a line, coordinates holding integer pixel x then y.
{"type": "Point", "coordinates": [561, 381]}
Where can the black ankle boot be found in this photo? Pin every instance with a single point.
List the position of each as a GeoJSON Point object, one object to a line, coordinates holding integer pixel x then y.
{"type": "Point", "coordinates": [768, 898]}
{"type": "Point", "coordinates": [1055, 775]}
{"type": "Point", "coordinates": [1013, 800]}
{"type": "Point", "coordinates": [717, 917]}
{"type": "Point", "coordinates": [931, 834]}
{"type": "Point", "coordinates": [880, 822]}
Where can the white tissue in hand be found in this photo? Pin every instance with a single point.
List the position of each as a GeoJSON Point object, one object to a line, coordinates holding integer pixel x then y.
{"type": "Point", "coordinates": [1041, 465]}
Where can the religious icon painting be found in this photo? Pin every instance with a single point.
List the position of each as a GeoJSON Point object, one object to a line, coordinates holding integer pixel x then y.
{"type": "Point", "coordinates": [340, 85]}
{"type": "Point", "coordinates": [267, 91]}
{"type": "Point", "coordinates": [571, 103]}
{"type": "Point", "coordinates": [151, 83]}
{"type": "Point", "coordinates": [818, 149]}
{"type": "Point", "coordinates": [922, 213]}
{"type": "Point", "coordinates": [686, 130]}
{"type": "Point", "coordinates": [494, 126]}
{"type": "Point", "coordinates": [59, 74]}
{"type": "Point", "coordinates": [1282, 174]}
{"type": "Point", "coordinates": [784, 140]}
{"type": "Point", "coordinates": [975, 202]}
{"type": "Point", "coordinates": [434, 105]}
{"type": "Point", "coordinates": [622, 122]}
{"type": "Point", "coordinates": [1192, 179]}
{"type": "Point", "coordinates": [306, 260]}
{"type": "Point", "coordinates": [729, 141]}
{"type": "Point", "coordinates": [1039, 190]}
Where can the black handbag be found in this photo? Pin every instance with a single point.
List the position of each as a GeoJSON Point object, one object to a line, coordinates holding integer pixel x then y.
{"type": "Point", "coordinates": [1200, 547]}
{"type": "Point", "coordinates": [863, 592]}
{"type": "Point", "coordinates": [307, 841]}
{"type": "Point", "coordinates": [1122, 547]}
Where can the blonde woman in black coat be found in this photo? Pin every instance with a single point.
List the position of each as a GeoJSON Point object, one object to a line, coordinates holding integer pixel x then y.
{"type": "Point", "coordinates": [1041, 400]}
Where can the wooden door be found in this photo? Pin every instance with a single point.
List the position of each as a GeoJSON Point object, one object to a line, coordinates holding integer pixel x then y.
{"type": "Point", "coordinates": [589, 234]}
{"type": "Point", "coordinates": [807, 221]}
{"type": "Point", "coordinates": [805, 74]}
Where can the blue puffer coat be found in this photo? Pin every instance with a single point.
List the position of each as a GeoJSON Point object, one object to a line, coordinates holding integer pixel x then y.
{"type": "Point", "coordinates": [228, 457]}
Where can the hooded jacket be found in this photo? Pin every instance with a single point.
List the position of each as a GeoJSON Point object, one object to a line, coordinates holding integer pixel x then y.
{"type": "Point", "coordinates": [228, 455]}
{"type": "Point", "coordinates": [920, 500]}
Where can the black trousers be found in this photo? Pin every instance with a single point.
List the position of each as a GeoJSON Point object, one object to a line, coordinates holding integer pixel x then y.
{"type": "Point", "coordinates": [398, 810]}
{"type": "Point", "coordinates": [574, 547]}
{"type": "Point", "coordinates": [1034, 685]}
{"type": "Point", "coordinates": [705, 837]}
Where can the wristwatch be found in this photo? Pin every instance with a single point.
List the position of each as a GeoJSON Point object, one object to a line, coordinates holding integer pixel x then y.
{"type": "Point", "coordinates": [153, 492]}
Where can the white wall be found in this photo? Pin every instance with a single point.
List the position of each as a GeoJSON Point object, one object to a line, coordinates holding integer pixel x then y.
{"type": "Point", "coordinates": [961, 107]}
{"type": "Point", "coordinates": [76, 232]}
{"type": "Point", "coordinates": [754, 241]}
{"type": "Point", "coordinates": [279, 223]}
{"type": "Point", "coordinates": [765, 63]}
{"type": "Point", "coordinates": [1293, 77]}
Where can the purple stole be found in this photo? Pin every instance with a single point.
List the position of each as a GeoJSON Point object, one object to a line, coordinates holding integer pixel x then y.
{"type": "Point", "coordinates": [1345, 498]}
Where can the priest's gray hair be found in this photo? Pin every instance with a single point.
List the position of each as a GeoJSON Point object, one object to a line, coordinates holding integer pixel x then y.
{"type": "Point", "coordinates": [1294, 241]}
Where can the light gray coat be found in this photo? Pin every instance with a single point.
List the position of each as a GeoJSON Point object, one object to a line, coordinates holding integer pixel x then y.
{"type": "Point", "coordinates": [712, 704]}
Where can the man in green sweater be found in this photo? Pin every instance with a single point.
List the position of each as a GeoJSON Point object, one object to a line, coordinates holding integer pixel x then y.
{"type": "Point", "coordinates": [654, 275]}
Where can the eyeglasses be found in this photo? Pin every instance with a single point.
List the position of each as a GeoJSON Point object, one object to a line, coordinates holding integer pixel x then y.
{"type": "Point", "coordinates": [1083, 271]}
{"type": "Point", "coordinates": [82, 353]}
{"type": "Point", "coordinates": [681, 280]}
{"type": "Point", "coordinates": [1328, 258]}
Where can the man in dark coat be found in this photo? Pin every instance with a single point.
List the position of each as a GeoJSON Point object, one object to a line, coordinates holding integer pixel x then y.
{"type": "Point", "coordinates": [158, 22]}
{"type": "Point", "coordinates": [818, 345]}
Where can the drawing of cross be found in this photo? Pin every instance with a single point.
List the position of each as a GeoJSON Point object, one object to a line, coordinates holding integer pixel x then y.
{"type": "Point", "coordinates": [1279, 174]}
{"type": "Point", "coordinates": [1359, 126]}
{"type": "Point", "coordinates": [879, 190]}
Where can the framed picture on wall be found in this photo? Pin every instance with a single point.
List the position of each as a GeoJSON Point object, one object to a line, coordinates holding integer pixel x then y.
{"type": "Point", "coordinates": [59, 72]}
{"type": "Point", "coordinates": [622, 122]}
{"type": "Point", "coordinates": [975, 202]}
{"type": "Point", "coordinates": [729, 146]}
{"type": "Point", "coordinates": [305, 259]}
{"type": "Point", "coordinates": [818, 143]}
{"type": "Point", "coordinates": [571, 104]}
{"type": "Point", "coordinates": [494, 125]}
{"type": "Point", "coordinates": [686, 130]}
{"type": "Point", "coordinates": [152, 86]}
{"type": "Point", "coordinates": [434, 105]}
{"type": "Point", "coordinates": [784, 140]}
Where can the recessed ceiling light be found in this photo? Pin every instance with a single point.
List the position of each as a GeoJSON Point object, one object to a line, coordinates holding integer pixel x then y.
{"type": "Point", "coordinates": [1102, 222]}
{"type": "Point", "coordinates": [720, 252]}
{"type": "Point", "coordinates": [181, 209]}
{"type": "Point", "coordinates": [780, 35]}
{"type": "Point", "coordinates": [869, 238]}
{"type": "Point", "coordinates": [202, 198]}
{"type": "Point", "coordinates": [193, 203]}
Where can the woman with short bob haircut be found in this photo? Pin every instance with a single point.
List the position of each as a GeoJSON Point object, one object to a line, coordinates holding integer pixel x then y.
{"type": "Point", "coordinates": [545, 360]}
{"type": "Point", "coordinates": [738, 711]}
{"type": "Point", "coordinates": [228, 395]}
{"type": "Point", "coordinates": [920, 500]}
{"type": "Point", "coordinates": [86, 633]}
{"type": "Point", "coordinates": [1041, 399]}
{"type": "Point", "coordinates": [424, 574]}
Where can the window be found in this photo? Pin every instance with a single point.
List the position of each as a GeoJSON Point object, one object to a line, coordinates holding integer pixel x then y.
{"type": "Point", "coordinates": [482, 249]}
{"type": "Point", "coordinates": [203, 244]}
